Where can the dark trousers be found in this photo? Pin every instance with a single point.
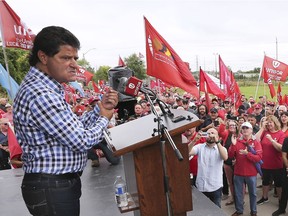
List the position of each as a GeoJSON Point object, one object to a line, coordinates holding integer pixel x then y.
{"type": "Point", "coordinates": [49, 195]}
{"type": "Point", "coordinates": [284, 195]}
{"type": "Point", "coordinates": [225, 189]}
{"type": "Point", "coordinates": [215, 196]}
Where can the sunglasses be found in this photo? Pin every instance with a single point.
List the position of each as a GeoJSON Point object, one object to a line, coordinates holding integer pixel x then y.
{"type": "Point", "coordinates": [227, 102]}
{"type": "Point", "coordinates": [244, 127]}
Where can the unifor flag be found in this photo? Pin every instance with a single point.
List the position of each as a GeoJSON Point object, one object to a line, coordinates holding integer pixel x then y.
{"type": "Point", "coordinates": [15, 33]}
{"type": "Point", "coordinates": [165, 64]}
{"type": "Point", "coordinates": [211, 86]}
{"type": "Point", "coordinates": [267, 78]}
{"type": "Point", "coordinates": [121, 62]}
{"type": "Point", "coordinates": [83, 75]}
{"type": "Point", "coordinates": [279, 94]}
{"type": "Point", "coordinates": [275, 69]}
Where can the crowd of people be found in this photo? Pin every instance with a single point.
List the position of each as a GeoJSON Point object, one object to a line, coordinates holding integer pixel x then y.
{"type": "Point", "coordinates": [228, 150]}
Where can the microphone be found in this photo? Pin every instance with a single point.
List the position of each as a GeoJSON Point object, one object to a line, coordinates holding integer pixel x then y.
{"type": "Point", "coordinates": [131, 86]}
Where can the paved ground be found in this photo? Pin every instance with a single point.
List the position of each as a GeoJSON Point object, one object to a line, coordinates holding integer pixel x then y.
{"type": "Point", "coordinates": [263, 210]}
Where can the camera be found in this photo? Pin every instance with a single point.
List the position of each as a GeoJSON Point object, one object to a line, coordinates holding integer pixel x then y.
{"type": "Point", "coordinates": [216, 123]}
{"type": "Point", "coordinates": [204, 134]}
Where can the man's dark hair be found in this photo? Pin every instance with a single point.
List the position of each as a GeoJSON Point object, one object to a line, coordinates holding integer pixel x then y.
{"type": "Point", "coordinates": [49, 40]}
{"type": "Point", "coordinates": [251, 116]}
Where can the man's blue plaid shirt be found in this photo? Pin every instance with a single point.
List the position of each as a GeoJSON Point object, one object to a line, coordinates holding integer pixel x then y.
{"type": "Point", "coordinates": [53, 139]}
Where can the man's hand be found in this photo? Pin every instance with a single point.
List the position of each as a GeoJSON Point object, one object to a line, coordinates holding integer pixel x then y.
{"type": "Point", "coordinates": [110, 99]}
{"type": "Point", "coordinates": [108, 113]}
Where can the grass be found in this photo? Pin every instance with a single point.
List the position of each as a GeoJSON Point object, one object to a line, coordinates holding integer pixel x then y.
{"type": "Point", "coordinates": [262, 90]}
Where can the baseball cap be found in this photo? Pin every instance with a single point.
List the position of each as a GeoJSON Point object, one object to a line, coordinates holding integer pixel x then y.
{"type": "Point", "coordinates": [213, 110]}
{"type": "Point", "coordinates": [92, 99]}
{"type": "Point", "coordinates": [258, 106]}
{"type": "Point", "coordinates": [246, 124]}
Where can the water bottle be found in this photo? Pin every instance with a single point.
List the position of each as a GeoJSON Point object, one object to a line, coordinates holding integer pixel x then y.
{"type": "Point", "coordinates": [120, 192]}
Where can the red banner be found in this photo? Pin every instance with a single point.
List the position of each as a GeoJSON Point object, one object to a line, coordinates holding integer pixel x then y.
{"type": "Point", "coordinates": [274, 69]}
{"type": "Point", "coordinates": [230, 86]}
{"type": "Point", "coordinates": [267, 78]}
{"type": "Point", "coordinates": [164, 63]}
{"type": "Point", "coordinates": [121, 62]}
{"type": "Point", "coordinates": [15, 33]}
{"type": "Point", "coordinates": [279, 94]}
{"type": "Point", "coordinates": [84, 75]}
{"type": "Point", "coordinates": [211, 87]}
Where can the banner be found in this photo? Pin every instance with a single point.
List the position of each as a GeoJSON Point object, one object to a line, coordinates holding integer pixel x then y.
{"type": "Point", "coordinates": [15, 33]}
{"type": "Point", "coordinates": [274, 69]}
{"type": "Point", "coordinates": [267, 78]}
{"type": "Point", "coordinates": [164, 63]}
{"type": "Point", "coordinates": [211, 87]}
{"type": "Point", "coordinates": [121, 62]}
{"type": "Point", "coordinates": [83, 75]}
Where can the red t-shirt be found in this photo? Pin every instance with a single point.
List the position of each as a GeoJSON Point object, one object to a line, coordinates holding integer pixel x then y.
{"type": "Point", "coordinates": [272, 159]}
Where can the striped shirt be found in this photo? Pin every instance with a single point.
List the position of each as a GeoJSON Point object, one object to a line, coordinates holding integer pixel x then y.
{"type": "Point", "coordinates": [53, 139]}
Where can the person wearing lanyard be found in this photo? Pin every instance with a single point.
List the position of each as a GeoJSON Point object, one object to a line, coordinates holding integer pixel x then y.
{"type": "Point", "coordinates": [53, 139]}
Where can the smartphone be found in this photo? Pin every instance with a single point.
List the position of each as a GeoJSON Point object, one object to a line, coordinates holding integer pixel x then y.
{"type": "Point", "coordinates": [204, 134]}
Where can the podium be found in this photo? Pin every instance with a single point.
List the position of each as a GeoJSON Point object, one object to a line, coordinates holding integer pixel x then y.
{"type": "Point", "coordinates": [143, 166]}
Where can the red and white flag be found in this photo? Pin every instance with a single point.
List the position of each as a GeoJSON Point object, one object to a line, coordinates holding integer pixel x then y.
{"type": "Point", "coordinates": [267, 78]}
{"type": "Point", "coordinates": [211, 86]}
{"type": "Point", "coordinates": [165, 64]}
{"type": "Point", "coordinates": [274, 69]}
{"type": "Point", "coordinates": [83, 74]}
{"type": "Point", "coordinates": [15, 33]}
{"type": "Point", "coordinates": [121, 62]}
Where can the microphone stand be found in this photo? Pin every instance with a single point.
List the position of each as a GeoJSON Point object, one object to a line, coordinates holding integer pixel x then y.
{"type": "Point", "coordinates": [162, 130]}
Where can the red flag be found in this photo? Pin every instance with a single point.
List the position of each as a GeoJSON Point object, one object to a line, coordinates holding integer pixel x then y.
{"type": "Point", "coordinates": [13, 145]}
{"type": "Point", "coordinates": [211, 87]}
{"type": "Point", "coordinates": [279, 94]}
{"type": "Point", "coordinates": [15, 33]}
{"type": "Point", "coordinates": [121, 62]}
{"type": "Point", "coordinates": [266, 78]}
{"type": "Point", "coordinates": [164, 63]}
{"type": "Point", "coordinates": [285, 99]}
{"type": "Point", "coordinates": [95, 87]}
{"type": "Point", "coordinates": [230, 86]}
{"type": "Point", "coordinates": [274, 69]}
{"type": "Point", "coordinates": [153, 84]}
{"type": "Point", "coordinates": [83, 74]}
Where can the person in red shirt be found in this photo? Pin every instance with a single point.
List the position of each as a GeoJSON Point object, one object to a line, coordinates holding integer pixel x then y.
{"type": "Point", "coordinates": [247, 151]}
{"type": "Point", "coordinates": [191, 137]}
{"type": "Point", "coordinates": [271, 137]}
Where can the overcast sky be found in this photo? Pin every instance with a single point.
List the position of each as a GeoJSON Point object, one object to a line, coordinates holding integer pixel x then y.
{"type": "Point", "coordinates": [240, 31]}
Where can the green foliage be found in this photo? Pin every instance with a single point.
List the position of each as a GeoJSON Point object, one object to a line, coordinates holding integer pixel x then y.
{"type": "Point", "coordinates": [17, 63]}
{"type": "Point", "coordinates": [101, 73]}
{"type": "Point", "coordinates": [137, 65]}
{"type": "Point", "coordinates": [84, 63]}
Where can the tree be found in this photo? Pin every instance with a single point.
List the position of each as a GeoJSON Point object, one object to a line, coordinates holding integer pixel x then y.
{"type": "Point", "coordinates": [101, 73]}
{"type": "Point", "coordinates": [84, 63]}
{"type": "Point", "coordinates": [17, 62]}
{"type": "Point", "coordinates": [137, 65]}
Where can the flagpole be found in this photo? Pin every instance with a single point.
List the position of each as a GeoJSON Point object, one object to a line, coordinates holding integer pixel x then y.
{"type": "Point", "coordinates": [5, 58]}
